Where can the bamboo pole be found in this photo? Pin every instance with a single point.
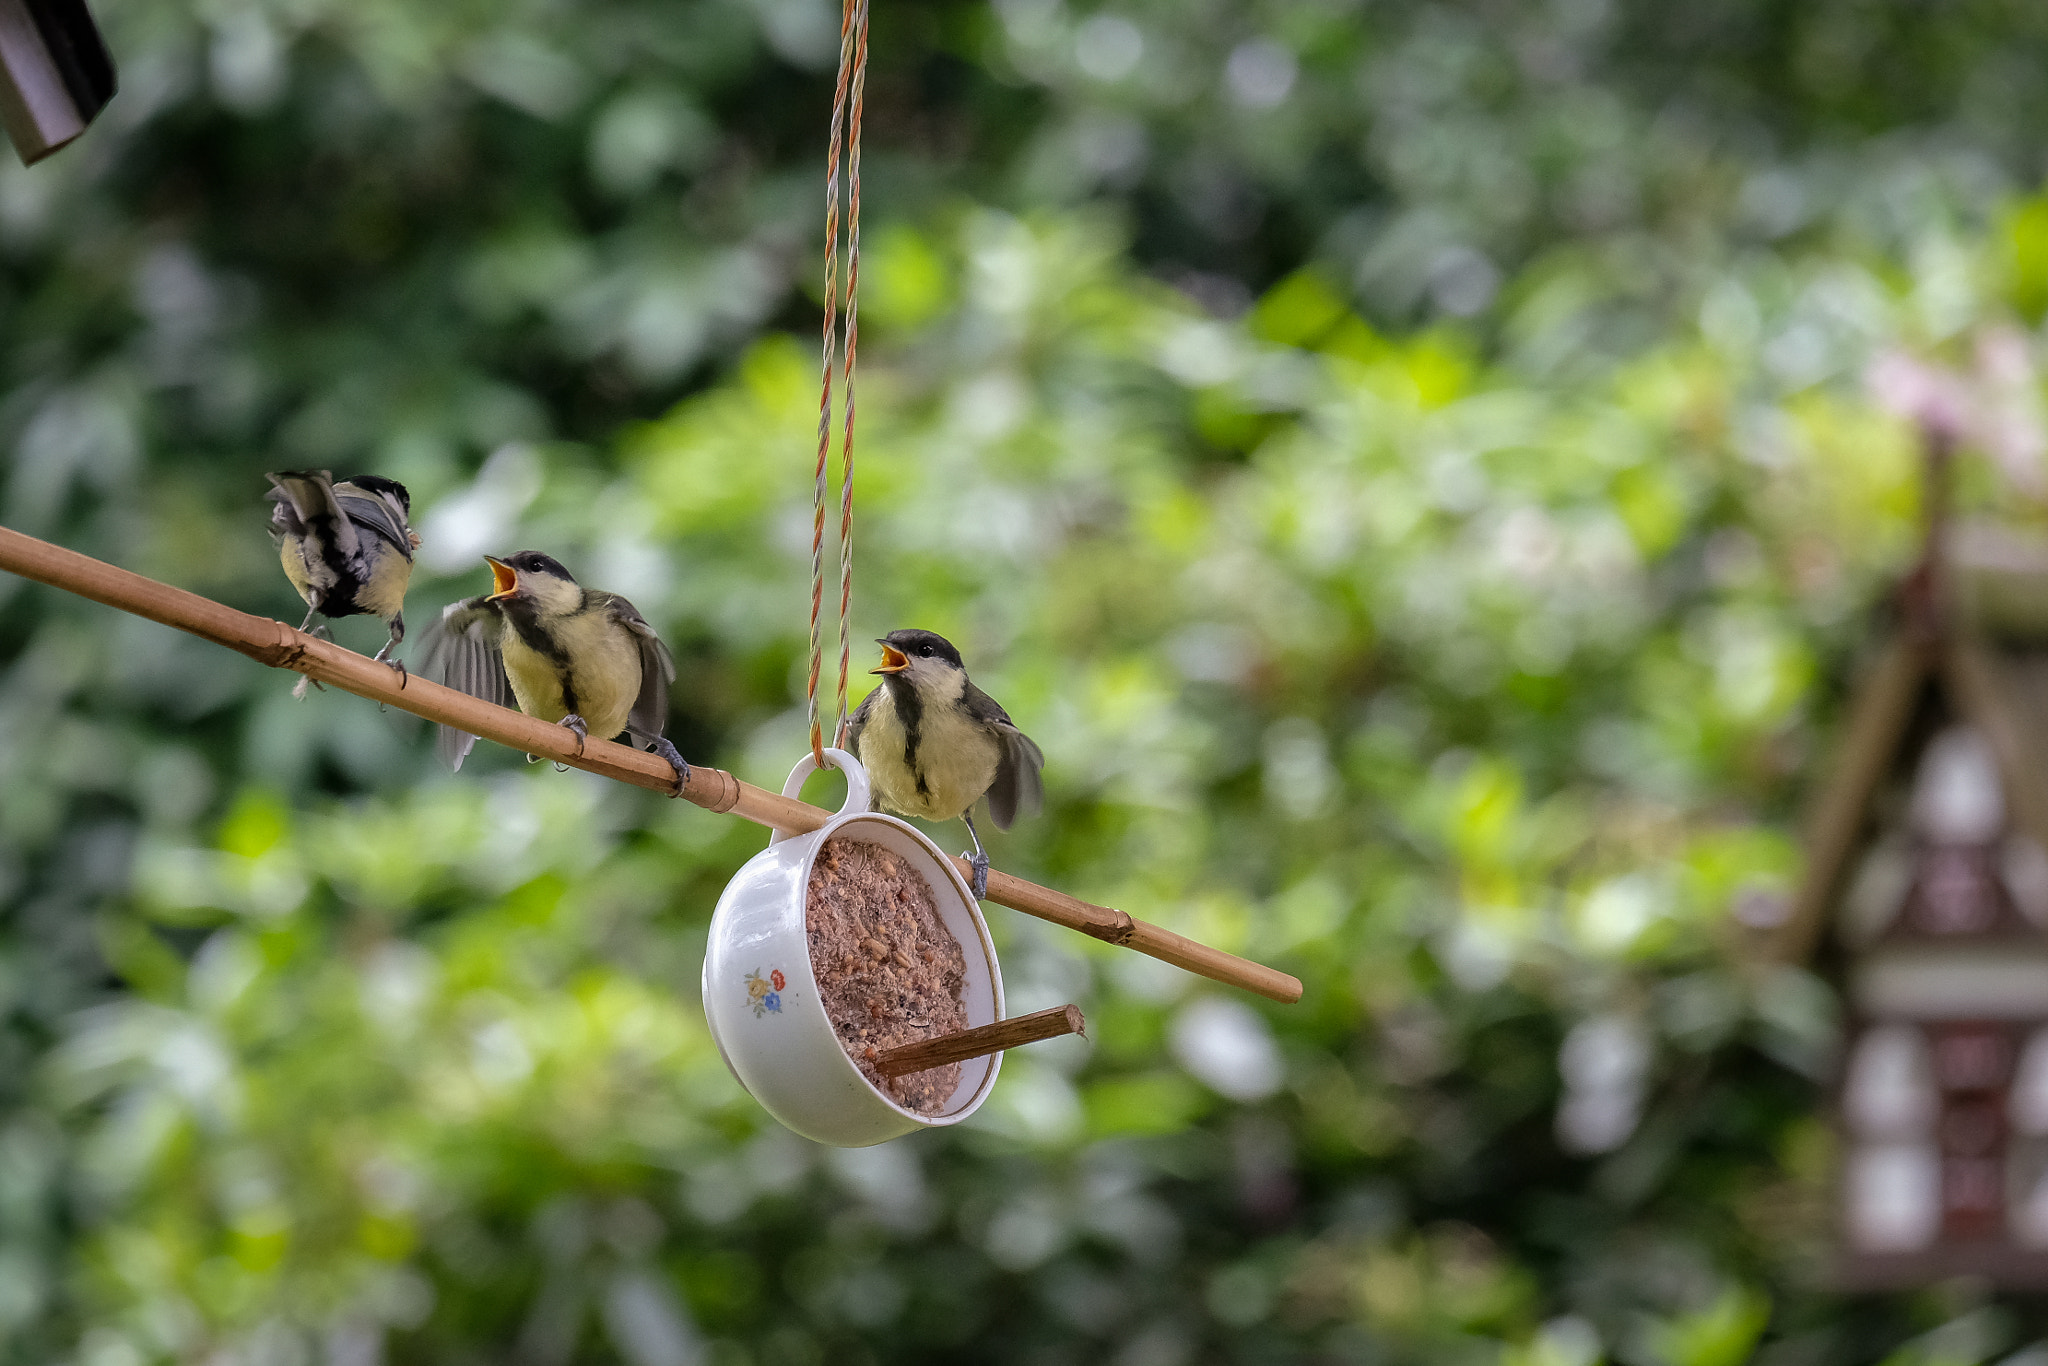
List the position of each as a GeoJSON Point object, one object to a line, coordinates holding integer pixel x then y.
{"type": "Point", "coordinates": [975, 1043]}
{"type": "Point", "coordinates": [283, 647]}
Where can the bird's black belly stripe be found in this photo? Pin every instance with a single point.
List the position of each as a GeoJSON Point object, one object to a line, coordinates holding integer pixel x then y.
{"type": "Point", "coordinates": [539, 641]}
{"type": "Point", "coordinates": [340, 599]}
{"type": "Point", "coordinates": [910, 707]}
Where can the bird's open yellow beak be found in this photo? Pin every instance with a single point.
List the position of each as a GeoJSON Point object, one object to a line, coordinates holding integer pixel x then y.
{"type": "Point", "coordinates": [504, 578]}
{"type": "Point", "coordinates": [894, 661]}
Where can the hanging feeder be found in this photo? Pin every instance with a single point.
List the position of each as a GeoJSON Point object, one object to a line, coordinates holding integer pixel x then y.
{"type": "Point", "coordinates": [279, 645]}
{"type": "Point", "coordinates": [762, 996]}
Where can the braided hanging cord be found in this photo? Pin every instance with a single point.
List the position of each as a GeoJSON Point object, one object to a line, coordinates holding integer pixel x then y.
{"type": "Point", "coordinates": [860, 80]}
{"type": "Point", "coordinates": [853, 57]}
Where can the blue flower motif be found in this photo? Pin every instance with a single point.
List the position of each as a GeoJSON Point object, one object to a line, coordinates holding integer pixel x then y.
{"type": "Point", "coordinates": [764, 994]}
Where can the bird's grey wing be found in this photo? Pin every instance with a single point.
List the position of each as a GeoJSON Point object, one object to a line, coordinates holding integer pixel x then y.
{"type": "Point", "coordinates": [858, 722]}
{"type": "Point", "coordinates": [376, 513]}
{"type": "Point", "coordinates": [283, 520]}
{"type": "Point", "coordinates": [1017, 784]}
{"type": "Point", "coordinates": [311, 495]}
{"type": "Point", "coordinates": [462, 652]}
{"type": "Point", "coordinates": [649, 718]}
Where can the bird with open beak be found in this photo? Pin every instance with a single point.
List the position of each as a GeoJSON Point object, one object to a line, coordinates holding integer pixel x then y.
{"type": "Point", "coordinates": [581, 658]}
{"type": "Point", "coordinates": [934, 744]}
{"type": "Point", "coordinates": [347, 548]}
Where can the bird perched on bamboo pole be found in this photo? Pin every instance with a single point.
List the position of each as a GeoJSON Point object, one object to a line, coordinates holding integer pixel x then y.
{"type": "Point", "coordinates": [347, 548]}
{"type": "Point", "coordinates": [934, 744]}
{"type": "Point", "coordinates": [581, 658]}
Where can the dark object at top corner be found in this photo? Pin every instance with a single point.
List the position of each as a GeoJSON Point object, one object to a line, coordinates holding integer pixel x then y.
{"type": "Point", "coordinates": [55, 73]}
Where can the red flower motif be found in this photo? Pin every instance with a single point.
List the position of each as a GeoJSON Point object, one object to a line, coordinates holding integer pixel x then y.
{"type": "Point", "coordinates": [777, 978]}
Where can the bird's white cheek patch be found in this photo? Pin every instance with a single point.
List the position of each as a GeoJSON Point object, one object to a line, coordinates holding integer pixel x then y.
{"type": "Point", "coordinates": [551, 596]}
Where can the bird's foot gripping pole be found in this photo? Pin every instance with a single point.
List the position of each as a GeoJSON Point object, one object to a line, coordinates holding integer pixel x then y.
{"type": "Point", "coordinates": [576, 726]}
{"type": "Point", "coordinates": [318, 633]}
{"type": "Point", "coordinates": [664, 749]}
{"type": "Point", "coordinates": [978, 861]}
{"type": "Point", "coordinates": [397, 666]}
{"type": "Point", "coordinates": [276, 644]}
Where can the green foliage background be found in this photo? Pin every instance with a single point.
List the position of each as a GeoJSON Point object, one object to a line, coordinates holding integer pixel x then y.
{"type": "Point", "coordinates": [1410, 464]}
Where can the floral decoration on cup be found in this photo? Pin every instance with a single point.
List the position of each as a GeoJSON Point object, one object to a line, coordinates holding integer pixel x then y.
{"type": "Point", "coordinates": [764, 994]}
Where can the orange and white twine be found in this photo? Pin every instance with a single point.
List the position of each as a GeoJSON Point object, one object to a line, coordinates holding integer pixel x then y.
{"type": "Point", "coordinates": [853, 68]}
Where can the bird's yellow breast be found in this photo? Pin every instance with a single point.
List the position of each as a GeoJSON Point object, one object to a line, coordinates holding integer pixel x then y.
{"type": "Point", "coordinates": [383, 593]}
{"type": "Point", "coordinates": [601, 676]}
{"type": "Point", "coordinates": [305, 574]}
{"type": "Point", "coordinates": [955, 757]}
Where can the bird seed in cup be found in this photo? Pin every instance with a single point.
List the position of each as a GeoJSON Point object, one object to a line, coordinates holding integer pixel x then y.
{"type": "Point", "coordinates": [889, 972]}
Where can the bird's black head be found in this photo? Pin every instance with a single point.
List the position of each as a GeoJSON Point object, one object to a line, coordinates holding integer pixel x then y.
{"type": "Point", "coordinates": [902, 649]}
{"type": "Point", "coordinates": [377, 483]}
{"type": "Point", "coordinates": [527, 575]}
{"type": "Point", "coordinates": [533, 562]}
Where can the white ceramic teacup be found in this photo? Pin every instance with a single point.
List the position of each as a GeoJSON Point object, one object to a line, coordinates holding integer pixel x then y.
{"type": "Point", "coordinates": [761, 998]}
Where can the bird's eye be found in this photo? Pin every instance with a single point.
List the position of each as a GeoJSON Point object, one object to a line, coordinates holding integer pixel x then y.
{"type": "Point", "coordinates": [925, 650]}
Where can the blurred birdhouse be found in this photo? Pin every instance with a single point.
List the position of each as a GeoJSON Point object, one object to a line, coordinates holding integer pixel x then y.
{"type": "Point", "coordinates": [1926, 901]}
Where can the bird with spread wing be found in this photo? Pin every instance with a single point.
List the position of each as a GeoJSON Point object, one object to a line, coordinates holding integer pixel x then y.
{"type": "Point", "coordinates": [561, 652]}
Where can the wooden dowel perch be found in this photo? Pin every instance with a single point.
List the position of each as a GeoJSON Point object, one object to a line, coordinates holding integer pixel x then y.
{"type": "Point", "coordinates": [283, 647]}
{"type": "Point", "coordinates": [975, 1043]}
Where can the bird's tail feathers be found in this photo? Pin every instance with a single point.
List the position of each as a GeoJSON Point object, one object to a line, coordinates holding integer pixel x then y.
{"type": "Point", "coordinates": [310, 494]}
{"type": "Point", "coordinates": [453, 746]}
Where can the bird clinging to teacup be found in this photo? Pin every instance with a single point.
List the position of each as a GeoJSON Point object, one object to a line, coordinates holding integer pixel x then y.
{"type": "Point", "coordinates": [934, 744]}
{"type": "Point", "coordinates": [347, 548]}
{"type": "Point", "coordinates": [581, 658]}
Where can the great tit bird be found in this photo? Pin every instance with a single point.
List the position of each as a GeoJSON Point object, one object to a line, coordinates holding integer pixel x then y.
{"type": "Point", "coordinates": [346, 547]}
{"type": "Point", "coordinates": [934, 744]}
{"type": "Point", "coordinates": [564, 653]}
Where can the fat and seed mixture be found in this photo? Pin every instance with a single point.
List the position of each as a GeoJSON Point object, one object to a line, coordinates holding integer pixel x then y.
{"type": "Point", "coordinates": [889, 971]}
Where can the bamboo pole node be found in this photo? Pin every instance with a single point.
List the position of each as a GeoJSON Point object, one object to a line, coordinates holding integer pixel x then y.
{"type": "Point", "coordinates": [728, 791]}
{"type": "Point", "coordinates": [979, 1042]}
{"type": "Point", "coordinates": [285, 651]}
{"type": "Point", "coordinates": [280, 645]}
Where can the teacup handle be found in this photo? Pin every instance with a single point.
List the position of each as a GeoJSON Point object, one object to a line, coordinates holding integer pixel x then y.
{"type": "Point", "coordinates": [856, 783]}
